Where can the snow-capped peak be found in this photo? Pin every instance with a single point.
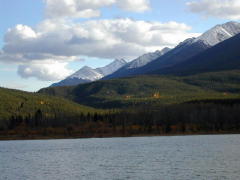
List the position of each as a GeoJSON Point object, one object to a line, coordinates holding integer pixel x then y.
{"type": "Point", "coordinates": [188, 41]}
{"type": "Point", "coordinates": [86, 73]}
{"type": "Point", "coordinates": [90, 74]}
{"type": "Point", "coordinates": [219, 33]}
{"type": "Point", "coordinates": [111, 68]}
{"type": "Point", "coordinates": [146, 58]}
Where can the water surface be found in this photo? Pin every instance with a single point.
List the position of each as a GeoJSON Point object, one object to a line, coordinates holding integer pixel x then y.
{"type": "Point", "coordinates": [140, 158]}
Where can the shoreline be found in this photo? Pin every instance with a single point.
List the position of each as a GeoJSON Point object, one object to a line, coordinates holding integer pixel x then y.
{"type": "Point", "coordinates": [59, 137]}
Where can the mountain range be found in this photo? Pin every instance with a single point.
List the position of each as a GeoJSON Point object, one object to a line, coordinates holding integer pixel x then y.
{"type": "Point", "coordinates": [184, 51]}
{"type": "Point", "coordinates": [223, 56]}
{"type": "Point", "coordinates": [198, 68]}
{"type": "Point", "coordinates": [137, 63]}
{"type": "Point", "coordinates": [158, 61]}
{"type": "Point", "coordinates": [88, 74]}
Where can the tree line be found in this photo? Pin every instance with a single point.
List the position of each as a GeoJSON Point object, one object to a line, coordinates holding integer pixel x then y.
{"type": "Point", "coordinates": [187, 118]}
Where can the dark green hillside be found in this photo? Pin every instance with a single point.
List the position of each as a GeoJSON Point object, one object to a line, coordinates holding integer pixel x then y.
{"type": "Point", "coordinates": [224, 81]}
{"type": "Point", "coordinates": [21, 104]}
{"type": "Point", "coordinates": [135, 91]}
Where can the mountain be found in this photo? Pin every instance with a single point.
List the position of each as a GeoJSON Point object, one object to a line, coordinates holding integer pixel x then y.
{"type": "Point", "coordinates": [191, 47]}
{"type": "Point", "coordinates": [220, 33]}
{"type": "Point", "coordinates": [145, 59]}
{"type": "Point", "coordinates": [111, 68]}
{"type": "Point", "coordinates": [223, 56]}
{"type": "Point", "coordinates": [137, 63]}
{"type": "Point", "coordinates": [88, 74]}
{"type": "Point", "coordinates": [212, 73]}
{"type": "Point", "coordinates": [185, 50]}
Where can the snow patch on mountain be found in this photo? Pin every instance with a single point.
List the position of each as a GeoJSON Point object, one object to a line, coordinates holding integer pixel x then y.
{"type": "Point", "coordinates": [219, 33]}
{"type": "Point", "coordinates": [86, 73]}
{"type": "Point", "coordinates": [146, 58]}
{"type": "Point", "coordinates": [111, 68]}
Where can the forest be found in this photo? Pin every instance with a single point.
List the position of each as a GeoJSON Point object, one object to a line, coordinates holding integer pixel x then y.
{"type": "Point", "coordinates": [137, 106]}
{"type": "Point", "coordinates": [196, 117]}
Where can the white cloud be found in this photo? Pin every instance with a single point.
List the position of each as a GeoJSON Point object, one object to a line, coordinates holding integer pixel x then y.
{"type": "Point", "coordinates": [20, 31]}
{"type": "Point", "coordinates": [90, 8]}
{"type": "Point", "coordinates": [74, 8]}
{"type": "Point", "coordinates": [134, 5]}
{"type": "Point", "coordinates": [62, 41]}
{"type": "Point", "coordinates": [225, 9]}
{"type": "Point", "coordinates": [45, 70]}
{"type": "Point", "coordinates": [97, 38]}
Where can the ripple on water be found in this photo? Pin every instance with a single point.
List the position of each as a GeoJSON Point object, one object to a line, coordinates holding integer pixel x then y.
{"type": "Point", "coordinates": [140, 158]}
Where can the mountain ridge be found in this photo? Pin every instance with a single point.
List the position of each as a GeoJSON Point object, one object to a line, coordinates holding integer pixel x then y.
{"type": "Point", "coordinates": [87, 74]}
{"type": "Point", "coordinates": [223, 56]}
{"type": "Point", "coordinates": [138, 62]}
{"type": "Point", "coordinates": [185, 50]}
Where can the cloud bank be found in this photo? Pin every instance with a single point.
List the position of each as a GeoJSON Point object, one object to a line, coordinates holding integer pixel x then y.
{"type": "Point", "coordinates": [44, 51]}
{"type": "Point", "coordinates": [90, 8]}
{"type": "Point", "coordinates": [47, 71]}
{"type": "Point", "coordinates": [225, 9]}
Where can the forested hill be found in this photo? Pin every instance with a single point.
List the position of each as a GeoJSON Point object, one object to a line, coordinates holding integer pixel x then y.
{"type": "Point", "coordinates": [21, 105]}
{"type": "Point", "coordinates": [151, 89]}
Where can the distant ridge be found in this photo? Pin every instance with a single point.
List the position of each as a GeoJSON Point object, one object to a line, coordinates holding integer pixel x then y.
{"type": "Point", "coordinates": [184, 51]}
{"type": "Point", "coordinates": [88, 74]}
{"type": "Point", "coordinates": [137, 63]}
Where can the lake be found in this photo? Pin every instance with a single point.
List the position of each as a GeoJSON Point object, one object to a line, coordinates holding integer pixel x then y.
{"type": "Point", "coordinates": [213, 157]}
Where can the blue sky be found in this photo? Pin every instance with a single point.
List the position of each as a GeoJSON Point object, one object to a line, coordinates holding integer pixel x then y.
{"type": "Point", "coordinates": [31, 15]}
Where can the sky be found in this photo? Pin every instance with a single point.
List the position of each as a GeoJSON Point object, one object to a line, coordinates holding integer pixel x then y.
{"type": "Point", "coordinates": [44, 41]}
